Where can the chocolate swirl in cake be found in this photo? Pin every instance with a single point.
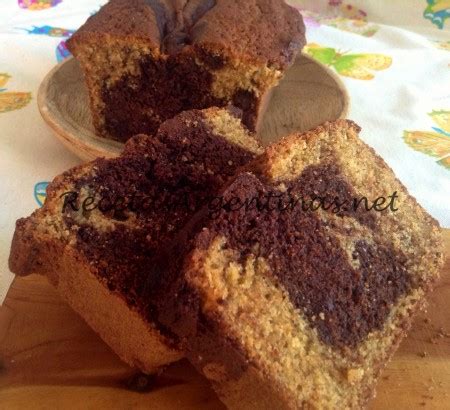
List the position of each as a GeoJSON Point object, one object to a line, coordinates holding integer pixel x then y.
{"type": "Point", "coordinates": [342, 302]}
{"type": "Point", "coordinates": [173, 172]}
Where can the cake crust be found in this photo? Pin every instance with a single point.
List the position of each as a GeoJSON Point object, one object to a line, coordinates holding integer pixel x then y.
{"type": "Point", "coordinates": [263, 31]}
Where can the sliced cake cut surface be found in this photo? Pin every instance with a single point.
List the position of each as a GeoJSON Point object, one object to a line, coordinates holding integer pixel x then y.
{"type": "Point", "coordinates": [304, 275]}
{"type": "Point", "coordinates": [103, 222]}
{"type": "Point", "coordinates": [145, 61]}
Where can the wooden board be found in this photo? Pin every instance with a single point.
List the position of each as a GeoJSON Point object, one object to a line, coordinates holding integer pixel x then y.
{"type": "Point", "coordinates": [49, 358]}
{"type": "Point", "coordinates": [308, 95]}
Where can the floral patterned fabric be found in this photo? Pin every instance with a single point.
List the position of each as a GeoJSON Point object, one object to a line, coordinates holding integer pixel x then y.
{"type": "Point", "coordinates": [393, 56]}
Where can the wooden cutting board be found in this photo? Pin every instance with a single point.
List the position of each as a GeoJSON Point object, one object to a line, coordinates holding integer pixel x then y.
{"type": "Point", "coordinates": [50, 359]}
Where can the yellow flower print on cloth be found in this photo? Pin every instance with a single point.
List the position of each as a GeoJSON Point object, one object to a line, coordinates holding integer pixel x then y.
{"type": "Point", "coordinates": [356, 26]}
{"type": "Point", "coordinates": [434, 143]}
{"type": "Point", "coordinates": [350, 18]}
{"type": "Point", "coordinates": [356, 66]}
{"type": "Point", "coordinates": [443, 45]}
{"type": "Point", "coordinates": [10, 101]}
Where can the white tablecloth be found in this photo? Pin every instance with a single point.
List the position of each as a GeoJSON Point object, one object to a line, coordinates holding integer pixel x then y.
{"type": "Point", "coordinates": [393, 56]}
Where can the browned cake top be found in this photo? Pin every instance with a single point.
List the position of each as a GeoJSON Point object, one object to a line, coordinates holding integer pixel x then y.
{"type": "Point", "coordinates": [268, 31]}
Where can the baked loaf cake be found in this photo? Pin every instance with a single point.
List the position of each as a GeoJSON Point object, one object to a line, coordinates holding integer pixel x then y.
{"type": "Point", "coordinates": [99, 258]}
{"type": "Point", "coordinates": [284, 307]}
{"type": "Point", "coordinates": [145, 61]}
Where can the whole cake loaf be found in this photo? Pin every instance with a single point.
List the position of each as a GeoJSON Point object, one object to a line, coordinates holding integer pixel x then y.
{"type": "Point", "coordinates": [102, 224]}
{"type": "Point", "coordinates": [145, 61]}
{"type": "Point", "coordinates": [303, 276]}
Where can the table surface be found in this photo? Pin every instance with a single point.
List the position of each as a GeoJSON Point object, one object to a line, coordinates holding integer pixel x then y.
{"type": "Point", "coordinates": [49, 358]}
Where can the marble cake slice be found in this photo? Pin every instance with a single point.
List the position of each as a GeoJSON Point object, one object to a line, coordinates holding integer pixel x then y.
{"type": "Point", "coordinates": [103, 222]}
{"type": "Point", "coordinates": [291, 295]}
{"type": "Point", "coordinates": [145, 61]}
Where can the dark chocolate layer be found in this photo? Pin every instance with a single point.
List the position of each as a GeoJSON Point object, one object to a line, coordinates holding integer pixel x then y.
{"type": "Point", "coordinates": [248, 103]}
{"type": "Point", "coordinates": [139, 104]}
{"type": "Point", "coordinates": [343, 303]}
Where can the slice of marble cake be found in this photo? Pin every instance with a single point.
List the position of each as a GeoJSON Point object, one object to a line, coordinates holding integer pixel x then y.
{"type": "Point", "coordinates": [294, 294]}
{"type": "Point", "coordinates": [103, 222]}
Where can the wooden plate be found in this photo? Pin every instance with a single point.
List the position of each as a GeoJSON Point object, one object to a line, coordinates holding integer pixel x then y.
{"type": "Point", "coordinates": [50, 359]}
{"type": "Point", "coordinates": [308, 95]}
